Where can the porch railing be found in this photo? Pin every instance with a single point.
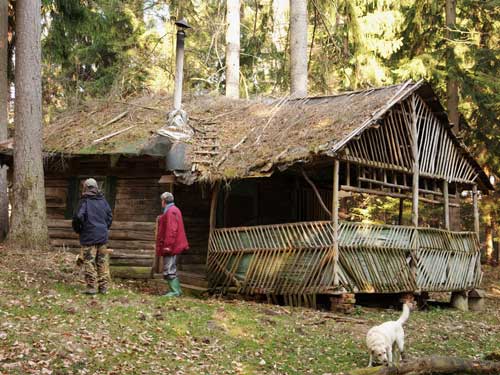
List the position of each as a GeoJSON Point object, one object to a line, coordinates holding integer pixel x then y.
{"type": "Point", "coordinates": [299, 259]}
{"type": "Point", "coordinates": [293, 258]}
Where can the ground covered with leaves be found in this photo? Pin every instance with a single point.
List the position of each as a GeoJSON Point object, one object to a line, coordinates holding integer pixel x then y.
{"type": "Point", "coordinates": [48, 327]}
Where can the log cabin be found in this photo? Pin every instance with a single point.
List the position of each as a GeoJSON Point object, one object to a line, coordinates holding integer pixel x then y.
{"type": "Point", "coordinates": [261, 185]}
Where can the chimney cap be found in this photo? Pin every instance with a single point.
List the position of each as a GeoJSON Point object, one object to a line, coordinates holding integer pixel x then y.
{"type": "Point", "coordinates": [182, 23]}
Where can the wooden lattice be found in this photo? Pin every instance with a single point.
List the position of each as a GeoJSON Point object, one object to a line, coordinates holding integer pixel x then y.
{"type": "Point", "coordinates": [299, 259]}
{"type": "Point", "coordinates": [276, 259]}
{"type": "Point", "coordinates": [376, 258]}
{"type": "Point", "coordinates": [448, 261]}
{"type": "Point", "coordinates": [389, 144]}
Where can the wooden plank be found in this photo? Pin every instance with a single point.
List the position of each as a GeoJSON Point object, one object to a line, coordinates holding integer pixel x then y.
{"type": "Point", "coordinates": [476, 209]}
{"type": "Point", "coordinates": [446, 204]}
{"type": "Point", "coordinates": [414, 148]}
{"type": "Point", "coordinates": [335, 219]}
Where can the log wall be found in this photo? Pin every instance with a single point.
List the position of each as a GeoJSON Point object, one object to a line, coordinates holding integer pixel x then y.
{"type": "Point", "coordinates": [56, 194]}
{"type": "Point", "coordinates": [136, 206]}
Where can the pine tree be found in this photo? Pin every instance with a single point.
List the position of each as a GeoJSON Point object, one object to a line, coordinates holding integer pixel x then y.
{"type": "Point", "coordinates": [4, 102]}
{"type": "Point", "coordinates": [233, 49]}
{"type": "Point", "coordinates": [298, 48]}
{"type": "Point", "coordinates": [29, 218]}
{"type": "Point", "coordinates": [451, 82]}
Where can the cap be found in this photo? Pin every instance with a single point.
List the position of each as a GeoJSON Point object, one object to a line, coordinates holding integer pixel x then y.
{"type": "Point", "coordinates": [90, 182]}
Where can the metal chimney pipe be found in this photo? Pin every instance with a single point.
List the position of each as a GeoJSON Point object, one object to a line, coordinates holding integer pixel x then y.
{"type": "Point", "coordinates": [182, 25]}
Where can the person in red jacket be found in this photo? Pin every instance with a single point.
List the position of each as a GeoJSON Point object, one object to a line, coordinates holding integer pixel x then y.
{"type": "Point", "coordinates": [170, 242]}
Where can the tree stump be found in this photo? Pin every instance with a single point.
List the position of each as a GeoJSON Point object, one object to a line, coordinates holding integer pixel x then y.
{"type": "Point", "coordinates": [459, 301]}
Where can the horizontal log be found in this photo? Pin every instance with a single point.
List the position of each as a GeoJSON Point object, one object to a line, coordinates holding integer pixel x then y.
{"type": "Point", "coordinates": [127, 272]}
{"type": "Point", "coordinates": [138, 182]}
{"type": "Point", "coordinates": [145, 192]}
{"type": "Point", "coordinates": [132, 254]}
{"type": "Point", "coordinates": [135, 262]}
{"type": "Point", "coordinates": [397, 186]}
{"type": "Point", "coordinates": [50, 203]}
{"type": "Point", "coordinates": [62, 233]}
{"type": "Point", "coordinates": [62, 184]}
{"type": "Point", "coordinates": [55, 213]}
{"type": "Point", "coordinates": [125, 225]}
{"type": "Point", "coordinates": [389, 194]}
{"type": "Point", "coordinates": [111, 244]}
{"type": "Point", "coordinates": [119, 253]}
{"type": "Point", "coordinates": [123, 214]}
{"type": "Point", "coordinates": [121, 234]}
{"type": "Point", "coordinates": [434, 365]}
{"type": "Point", "coordinates": [114, 234]}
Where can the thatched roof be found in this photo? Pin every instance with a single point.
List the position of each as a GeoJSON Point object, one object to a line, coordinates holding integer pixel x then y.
{"type": "Point", "coordinates": [233, 138]}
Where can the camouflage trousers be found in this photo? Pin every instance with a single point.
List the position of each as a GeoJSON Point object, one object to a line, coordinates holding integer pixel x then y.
{"type": "Point", "coordinates": [96, 266]}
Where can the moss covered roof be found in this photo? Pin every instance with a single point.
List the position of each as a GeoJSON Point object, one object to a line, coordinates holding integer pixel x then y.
{"type": "Point", "coordinates": [232, 138]}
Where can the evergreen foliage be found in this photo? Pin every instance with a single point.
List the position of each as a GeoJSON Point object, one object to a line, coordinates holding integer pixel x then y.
{"type": "Point", "coordinates": [101, 47]}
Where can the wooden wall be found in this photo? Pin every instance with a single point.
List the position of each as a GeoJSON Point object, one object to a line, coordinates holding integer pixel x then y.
{"type": "Point", "coordinates": [56, 194]}
{"type": "Point", "coordinates": [136, 194]}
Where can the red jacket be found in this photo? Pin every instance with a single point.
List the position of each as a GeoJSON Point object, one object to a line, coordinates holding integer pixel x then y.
{"type": "Point", "coordinates": [171, 233]}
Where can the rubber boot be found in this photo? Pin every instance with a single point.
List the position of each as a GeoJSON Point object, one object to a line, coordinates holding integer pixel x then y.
{"type": "Point", "coordinates": [175, 288]}
{"type": "Point", "coordinates": [90, 291]}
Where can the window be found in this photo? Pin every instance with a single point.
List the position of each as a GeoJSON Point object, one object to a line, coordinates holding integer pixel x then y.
{"type": "Point", "coordinates": [107, 185]}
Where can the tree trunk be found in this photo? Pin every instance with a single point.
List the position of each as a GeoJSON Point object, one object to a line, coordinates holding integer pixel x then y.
{"type": "Point", "coordinates": [29, 228]}
{"type": "Point", "coordinates": [298, 47]}
{"type": "Point", "coordinates": [434, 365]}
{"type": "Point", "coordinates": [281, 9]}
{"type": "Point", "coordinates": [451, 84]}
{"type": "Point", "coordinates": [233, 49]}
{"type": "Point", "coordinates": [4, 115]}
{"type": "Point", "coordinates": [489, 231]}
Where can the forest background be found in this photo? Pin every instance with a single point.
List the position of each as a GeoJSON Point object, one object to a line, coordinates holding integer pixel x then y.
{"type": "Point", "coordinates": [102, 48]}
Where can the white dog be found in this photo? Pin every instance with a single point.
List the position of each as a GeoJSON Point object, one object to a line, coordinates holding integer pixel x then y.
{"type": "Point", "coordinates": [382, 340]}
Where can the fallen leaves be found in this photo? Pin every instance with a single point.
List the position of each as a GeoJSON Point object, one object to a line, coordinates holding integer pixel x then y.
{"type": "Point", "coordinates": [47, 327]}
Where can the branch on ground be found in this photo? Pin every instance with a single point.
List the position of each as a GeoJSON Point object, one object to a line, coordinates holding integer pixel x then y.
{"type": "Point", "coordinates": [433, 366]}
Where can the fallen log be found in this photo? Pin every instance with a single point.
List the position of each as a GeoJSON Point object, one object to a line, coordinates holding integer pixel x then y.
{"type": "Point", "coordinates": [434, 365]}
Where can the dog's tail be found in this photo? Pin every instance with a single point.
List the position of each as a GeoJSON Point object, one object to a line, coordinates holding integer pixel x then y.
{"type": "Point", "coordinates": [405, 315]}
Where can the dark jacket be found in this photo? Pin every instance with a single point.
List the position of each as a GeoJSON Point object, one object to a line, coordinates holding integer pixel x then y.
{"type": "Point", "coordinates": [92, 219]}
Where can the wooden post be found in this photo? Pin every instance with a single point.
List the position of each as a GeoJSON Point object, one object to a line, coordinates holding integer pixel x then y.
{"type": "Point", "coordinates": [213, 220]}
{"type": "Point", "coordinates": [415, 183]}
{"type": "Point", "coordinates": [414, 148]}
{"type": "Point", "coordinates": [335, 218]}
{"type": "Point", "coordinates": [476, 209]}
{"type": "Point", "coordinates": [348, 174]}
{"type": "Point", "coordinates": [401, 208]}
{"type": "Point", "coordinates": [446, 205]}
{"type": "Point", "coordinates": [213, 206]}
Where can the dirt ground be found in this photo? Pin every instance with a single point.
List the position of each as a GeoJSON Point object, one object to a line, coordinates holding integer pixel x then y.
{"type": "Point", "coordinates": [48, 327]}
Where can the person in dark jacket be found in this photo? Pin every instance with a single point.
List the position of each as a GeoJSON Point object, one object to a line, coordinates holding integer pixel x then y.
{"type": "Point", "coordinates": [170, 242]}
{"type": "Point", "coordinates": [91, 221]}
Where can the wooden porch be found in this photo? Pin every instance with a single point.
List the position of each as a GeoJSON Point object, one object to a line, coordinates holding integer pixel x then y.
{"type": "Point", "coordinates": [301, 259]}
